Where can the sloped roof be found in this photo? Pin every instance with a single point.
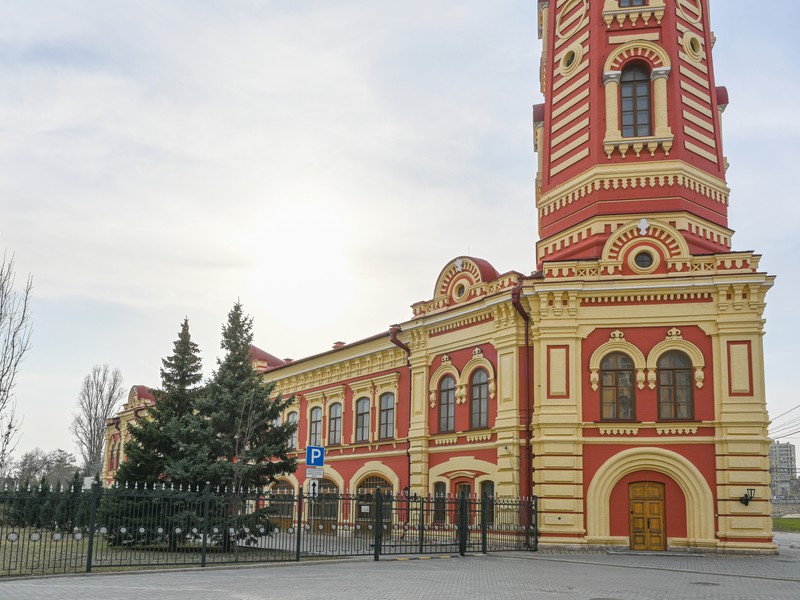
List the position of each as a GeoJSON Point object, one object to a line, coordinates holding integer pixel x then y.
{"type": "Point", "coordinates": [265, 359]}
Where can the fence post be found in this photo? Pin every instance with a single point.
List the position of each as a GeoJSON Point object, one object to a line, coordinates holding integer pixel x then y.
{"type": "Point", "coordinates": [421, 523]}
{"type": "Point", "coordinates": [535, 523]}
{"type": "Point", "coordinates": [206, 504]}
{"type": "Point", "coordinates": [92, 518]}
{"type": "Point", "coordinates": [484, 523]}
{"type": "Point", "coordinates": [462, 525]}
{"type": "Point", "coordinates": [299, 523]}
{"type": "Point", "coordinates": [378, 523]}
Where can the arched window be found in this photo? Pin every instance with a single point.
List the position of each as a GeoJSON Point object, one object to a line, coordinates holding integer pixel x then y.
{"type": "Point", "coordinates": [282, 503]}
{"type": "Point", "coordinates": [315, 427]}
{"type": "Point", "coordinates": [636, 103]}
{"type": "Point", "coordinates": [325, 506]}
{"type": "Point", "coordinates": [447, 404]}
{"type": "Point", "coordinates": [362, 420]}
{"type": "Point", "coordinates": [365, 500]}
{"type": "Point", "coordinates": [335, 425]}
{"type": "Point", "coordinates": [292, 418]}
{"type": "Point", "coordinates": [675, 389]}
{"type": "Point", "coordinates": [479, 400]}
{"type": "Point", "coordinates": [386, 429]}
{"type": "Point", "coordinates": [617, 397]}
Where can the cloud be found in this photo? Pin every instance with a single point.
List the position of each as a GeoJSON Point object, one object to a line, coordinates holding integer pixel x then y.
{"type": "Point", "coordinates": [319, 160]}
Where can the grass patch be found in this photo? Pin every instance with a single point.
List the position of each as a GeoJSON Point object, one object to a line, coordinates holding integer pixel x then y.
{"type": "Point", "coordinates": [786, 525]}
{"type": "Point", "coordinates": [40, 552]}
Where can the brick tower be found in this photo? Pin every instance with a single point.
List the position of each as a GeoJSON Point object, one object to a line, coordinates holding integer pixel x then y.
{"type": "Point", "coordinates": [650, 421]}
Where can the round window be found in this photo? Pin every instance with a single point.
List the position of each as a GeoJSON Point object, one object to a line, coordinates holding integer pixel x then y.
{"type": "Point", "coordinates": [644, 260]}
{"type": "Point", "coordinates": [461, 290]}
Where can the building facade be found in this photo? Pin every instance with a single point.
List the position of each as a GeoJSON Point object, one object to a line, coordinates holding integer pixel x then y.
{"type": "Point", "coordinates": [782, 468]}
{"type": "Point", "coordinates": [622, 383]}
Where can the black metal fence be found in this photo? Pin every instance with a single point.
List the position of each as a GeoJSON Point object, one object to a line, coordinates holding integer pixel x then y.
{"type": "Point", "coordinates": [67, 531]}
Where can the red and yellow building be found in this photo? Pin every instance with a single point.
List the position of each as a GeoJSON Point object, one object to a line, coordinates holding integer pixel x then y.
{"type": "Point", "coordinates": [623, 381]}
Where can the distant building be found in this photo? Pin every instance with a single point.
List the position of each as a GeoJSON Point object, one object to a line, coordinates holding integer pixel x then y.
{"type": "Point", "coordinates": [139, 399]}
{"type": "Point", "coordinates": [782, 468]}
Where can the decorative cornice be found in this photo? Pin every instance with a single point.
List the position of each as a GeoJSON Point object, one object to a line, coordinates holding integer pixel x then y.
{"type": "Point", "coordinates": [677, 429]}
{"type": "Point", "coordinates": [341, 371]}
{"type": "Point", "coordinates": [470, 321]}
{"type": "Point", "coordinates": [477, 291]}
{"type": "Point", "coordinates": [637, 175]}
{"type": "Point", "coordinates": [638, 145]}
{"type": "Point", "coordinates": [444, 441]}
{"type": "Point", "coordinates": [619, 429]}
{"type": "Point", "coordinates": [612, 12]}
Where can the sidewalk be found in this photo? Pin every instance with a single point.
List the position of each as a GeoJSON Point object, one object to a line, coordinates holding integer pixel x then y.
{"type": "Point", "coordinates": [529, 576]}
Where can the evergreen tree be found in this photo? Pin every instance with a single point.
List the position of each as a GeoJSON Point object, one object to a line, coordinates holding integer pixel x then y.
{"type": "Point", "coordinates": [165, 440]}
{"type": "Point", "coordinates": [249, 443]}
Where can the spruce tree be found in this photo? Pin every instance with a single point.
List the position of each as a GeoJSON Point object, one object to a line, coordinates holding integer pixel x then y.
{"type": "Point", "coordinates": [250, 444]}
{"type": "Point", "coordinates": [164, 441]}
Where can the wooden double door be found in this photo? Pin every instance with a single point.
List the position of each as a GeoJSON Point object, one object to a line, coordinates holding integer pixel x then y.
{"type": "Point", "coordinates": [648, 523]}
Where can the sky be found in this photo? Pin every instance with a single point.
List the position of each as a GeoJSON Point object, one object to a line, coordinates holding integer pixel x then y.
{"type": "Point", "coordinates": [318, 160]}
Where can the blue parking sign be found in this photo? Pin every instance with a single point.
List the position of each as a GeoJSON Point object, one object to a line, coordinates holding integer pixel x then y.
{"type": "Point", "coordinates": [315, 456]}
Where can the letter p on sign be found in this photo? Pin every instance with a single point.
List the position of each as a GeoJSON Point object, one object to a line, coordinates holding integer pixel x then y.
{"type": "Point", "coordinates": [315, 456]}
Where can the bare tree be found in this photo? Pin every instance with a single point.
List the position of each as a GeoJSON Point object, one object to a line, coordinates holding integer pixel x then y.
{"type": "Point", "coordinates": [15, 340]}
{"type": "Point", "coordinates": [100, 394]}
{"type": "Point", "coordinates": [58, 467]}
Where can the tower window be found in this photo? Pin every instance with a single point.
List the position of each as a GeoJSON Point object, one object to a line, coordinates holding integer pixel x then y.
{"type": "Point", "coordinates": [644, 260]}
{"type": "Point", "coordinates": [629, 3]}
{"type": "Point", "coordinates": [636, 103]}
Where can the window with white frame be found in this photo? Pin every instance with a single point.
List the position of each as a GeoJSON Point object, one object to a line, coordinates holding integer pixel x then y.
{"type": "Point", "coordinates": [447, 404]}
{"type": "Point", "coordinates": [362, 420]}
{"type": "Point", "coordinates": [315, 427]}
{"type": "Point", "coordinates": [386, 430]}
{"type": "Point", "coordinates": [335, 425]}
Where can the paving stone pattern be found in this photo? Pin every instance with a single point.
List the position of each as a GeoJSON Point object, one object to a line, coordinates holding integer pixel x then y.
{"type": "Point", "coordinates": [551, 575]}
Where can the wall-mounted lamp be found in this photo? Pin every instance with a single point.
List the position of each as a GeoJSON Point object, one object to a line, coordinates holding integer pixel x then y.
{"type": "Point", "coordinates": [751, 493]}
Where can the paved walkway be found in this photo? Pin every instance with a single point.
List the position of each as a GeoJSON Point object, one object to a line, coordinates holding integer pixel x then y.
{"type": "Point", "coordinates": [549, 575]}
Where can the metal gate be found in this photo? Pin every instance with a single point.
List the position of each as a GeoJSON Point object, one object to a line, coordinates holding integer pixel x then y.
{"type": "Point", "coordinates": [67, 531]}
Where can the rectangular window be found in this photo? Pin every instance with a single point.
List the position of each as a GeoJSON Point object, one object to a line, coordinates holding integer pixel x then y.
{"type": "Point", "coordinates": [335, 425]}
{"type": "Point", "coordinates": [292, 418]}
{"type": "Point", "coordinates": [362, 420]}
{"type": "Point", "coordinates": [387, 416]}
{"type": "Point", "coordinates": [447, 405]}
{"type": "Point", "coordinates": [315, 435]}
{"type": "Point", "coordinates": [479, 400]}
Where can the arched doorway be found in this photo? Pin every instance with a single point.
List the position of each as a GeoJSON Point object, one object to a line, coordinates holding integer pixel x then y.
{"type": "Point", "coordinates": [688, 497]}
